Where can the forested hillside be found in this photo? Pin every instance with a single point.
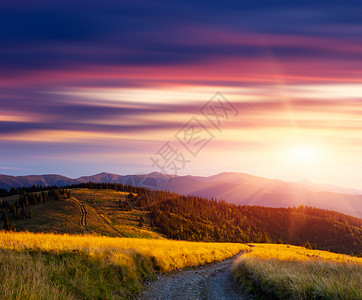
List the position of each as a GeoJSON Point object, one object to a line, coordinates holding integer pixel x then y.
{"type": "Point", "coordinates": [199, 219]}
{"type": "Point", "coordinates": [193, 218]}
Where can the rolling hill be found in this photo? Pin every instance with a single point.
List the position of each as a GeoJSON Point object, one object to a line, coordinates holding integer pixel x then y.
{"type": "Point", "coordinates": [237, 188]}
{"type": "Point", "coordinates": [127, 211]}
{"type": "Point", "coordinates": [83, 212]}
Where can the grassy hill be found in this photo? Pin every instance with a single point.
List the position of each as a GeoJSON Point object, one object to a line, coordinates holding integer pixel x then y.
{"type": "Point", "coordinates": [103, 216]}
{"type": "Point", "coordinates": [106, 209]}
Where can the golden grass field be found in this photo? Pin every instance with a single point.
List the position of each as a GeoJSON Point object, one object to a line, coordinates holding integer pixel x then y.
{"type": "Point", "coordinates": [112, 257]}
{"type": "Point", "coordinates": [168, 254]}
{"type": "Point", "coordinates": [51, 266]}
{"type": "Point", "coordinates": [292, 272]}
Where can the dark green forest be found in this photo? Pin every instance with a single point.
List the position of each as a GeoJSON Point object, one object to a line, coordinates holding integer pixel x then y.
{"type": "Point", "coordinates": [198, 219]}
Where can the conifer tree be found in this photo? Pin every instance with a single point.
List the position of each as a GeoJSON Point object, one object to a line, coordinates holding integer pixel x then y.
{"type": "Point", "coordinates": [8, 224]}
{"type": "Point", "coordinates": [141, 221]}
{"type": "Point", "coordinates": [14, 210]}
{"type": "Point", "coordinates": [43, 196]}
{"type": "Point", "coordinates": [41, 200]}
{"type": "Point", "coordinates": [23, 212]}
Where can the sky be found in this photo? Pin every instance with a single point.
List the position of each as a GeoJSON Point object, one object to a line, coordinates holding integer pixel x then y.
{"type": "Point", "coordinates": [271, 88]}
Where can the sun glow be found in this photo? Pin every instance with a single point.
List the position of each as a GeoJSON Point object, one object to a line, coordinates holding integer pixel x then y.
{"type": "Point", "coordinates": [303, 153]}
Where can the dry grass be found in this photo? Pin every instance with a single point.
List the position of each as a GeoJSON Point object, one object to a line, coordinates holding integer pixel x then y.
{"type": "Point", "coordinates": [34, 266]}
{"type": "Point", "coordinates": [98, 197]}
{"type": "Point", "coordinates": [25, 277]}
{"type": "Point", "coordinates": [168, 255]}
{"type": "Point", "coordinates": [289, 252]}
{"type": "Point", "coordinates": [291, 272]}
{"type": "Point", "coordinates": [105, 217]}
{"type": "Point", "coordinates": [53, 216]}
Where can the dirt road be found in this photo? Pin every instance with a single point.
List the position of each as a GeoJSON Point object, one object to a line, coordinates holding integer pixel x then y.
{"type": "Point", "coordinates": [210, 282]}
{"type": "Point", "coordinates": [83, 212]}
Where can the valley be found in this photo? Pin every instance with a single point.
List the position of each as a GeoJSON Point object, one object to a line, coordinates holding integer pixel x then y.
{"type": "Point", "coordinates": [130, 235]}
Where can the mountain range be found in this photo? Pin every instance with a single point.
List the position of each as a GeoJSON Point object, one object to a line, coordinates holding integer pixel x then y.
{"type": "Point", "coordinates": [237, 188]}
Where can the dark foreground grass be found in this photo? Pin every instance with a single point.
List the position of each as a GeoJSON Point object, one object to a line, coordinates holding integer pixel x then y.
{"type": "Point", "coordinates": [70, 275]}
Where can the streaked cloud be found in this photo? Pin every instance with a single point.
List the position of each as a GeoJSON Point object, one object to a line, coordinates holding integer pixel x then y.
{"type": "Point", "coordinates": [82, 82]}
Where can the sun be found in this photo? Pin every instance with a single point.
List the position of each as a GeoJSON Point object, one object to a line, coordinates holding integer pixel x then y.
{"type": "Point", "coordinates": [303, 153]}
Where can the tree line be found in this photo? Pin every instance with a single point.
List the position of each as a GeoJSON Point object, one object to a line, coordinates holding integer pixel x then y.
{"type": "Point", "coordinates": [21, 208]}
{"type": "Point", "coordinates": [195, 218]}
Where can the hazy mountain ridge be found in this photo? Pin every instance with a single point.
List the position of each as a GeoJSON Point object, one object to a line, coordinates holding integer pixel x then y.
{"type": "Point", "coordinates": [7, 181]}
{"type": "Point", "coordinates": [238, 188]}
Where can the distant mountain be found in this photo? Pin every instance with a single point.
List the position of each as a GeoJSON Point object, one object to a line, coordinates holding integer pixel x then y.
{"type": "Point", "coordinates": [8, 182]}
{"type": "Point", "coordinates": [245, 189]}
{"type": "Point", "coordinates": [238, 188]}
{"type": "Point", "coordinates": [329, 187]}
{"type": "Point", "coordinates": [102, 177]}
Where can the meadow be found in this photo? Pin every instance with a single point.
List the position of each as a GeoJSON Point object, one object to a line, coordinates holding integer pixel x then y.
{"type": "Point", "coordinates": [104, 217]}
{"type": "Point", "coordinates": [113, 256]}
{"type": "Point", "coordinates": [52, 266]}
{"type": "Point", "coordinates": [292, 272]}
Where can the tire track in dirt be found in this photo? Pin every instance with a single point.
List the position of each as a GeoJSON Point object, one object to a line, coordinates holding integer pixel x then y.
{"type": "Point", "coordinates": [93, 212]}
{"type": "Point", "coordinates": [83, 218]}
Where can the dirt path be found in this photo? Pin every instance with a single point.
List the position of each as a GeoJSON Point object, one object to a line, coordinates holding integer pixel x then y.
{"type": "Point", "coordinates": [91, 215]}
{"type": "Point", "coordinates": [209, 282]}
{"type": "Point", "coordinates": [83, 218]}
